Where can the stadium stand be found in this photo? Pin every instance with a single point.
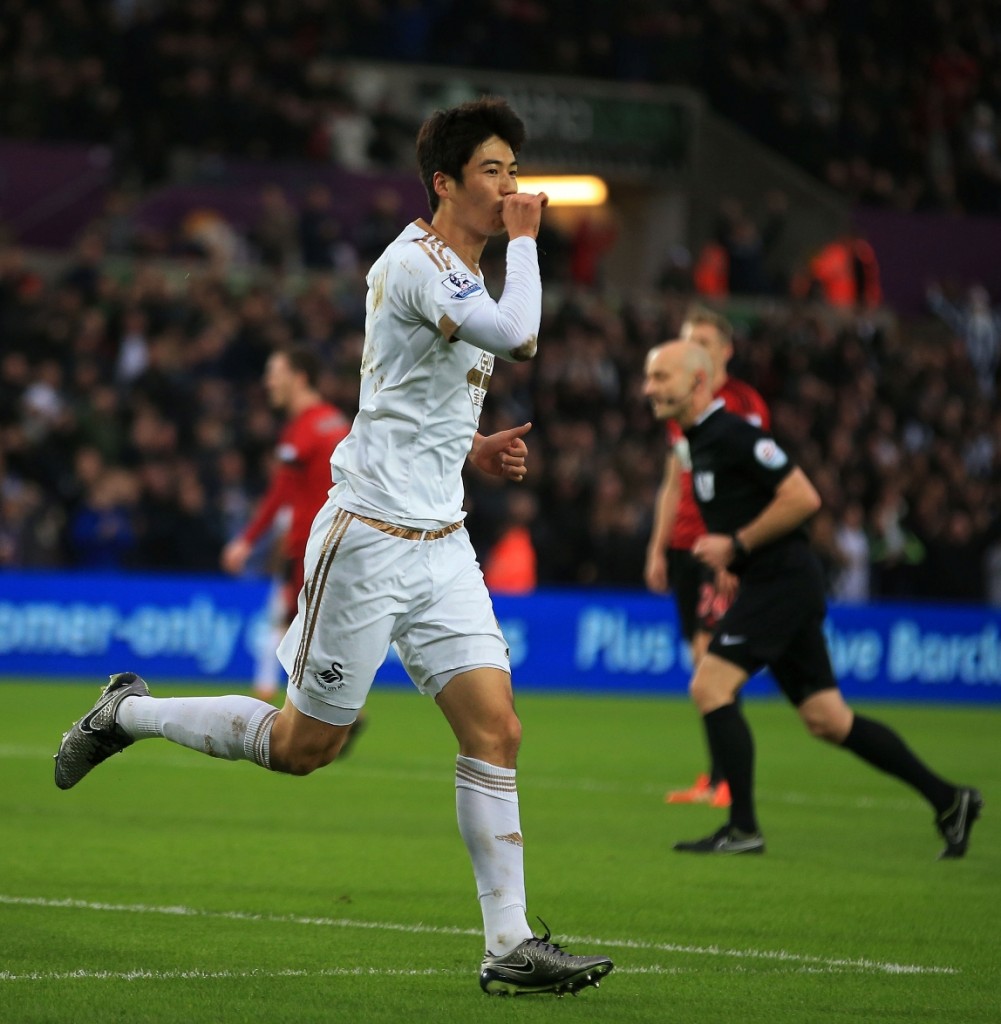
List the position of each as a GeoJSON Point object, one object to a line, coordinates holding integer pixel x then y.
{"type": "Point", "coordinates": [131, 420]}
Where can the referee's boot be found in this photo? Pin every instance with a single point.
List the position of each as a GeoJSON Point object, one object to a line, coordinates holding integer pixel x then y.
{"type": "Point", "coordinates": [956, 823]}
{"type": "Point", "coordinates": [728, 839]}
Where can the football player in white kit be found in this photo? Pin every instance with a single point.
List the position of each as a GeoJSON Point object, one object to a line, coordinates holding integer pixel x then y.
{"type": "Point", "coordinates": [389, 560]}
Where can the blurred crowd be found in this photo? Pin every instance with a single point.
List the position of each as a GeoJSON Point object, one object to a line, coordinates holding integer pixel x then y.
{"type": "Point", "coordinates": [902, 119]}
{"type": "Point", "coordinates": [134, 429]}
{"type": "Point", "coordinates": [135, 433]}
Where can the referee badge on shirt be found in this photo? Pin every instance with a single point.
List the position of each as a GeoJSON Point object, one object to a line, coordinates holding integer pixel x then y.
{"type": "Point", "coordinates": [769, 454]}
{"type": "Point", "coordinates": [461, 285]}
{"type": "Point", "coordinates": [704, 483]}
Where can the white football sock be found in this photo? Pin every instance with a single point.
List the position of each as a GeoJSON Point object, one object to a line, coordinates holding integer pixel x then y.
{"type": "Point", "coordinates": [486, 805]}
{"type": "Point", "coordinates": [235, 727]}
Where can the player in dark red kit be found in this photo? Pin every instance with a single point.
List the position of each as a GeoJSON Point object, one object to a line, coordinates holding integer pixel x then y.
{"type": "Point", "coordinates": [300, 482]}
{"type": "Point", "coordinates": [700, 597]}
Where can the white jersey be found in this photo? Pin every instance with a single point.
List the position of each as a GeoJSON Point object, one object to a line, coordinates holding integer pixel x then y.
{"type": "Point", "coordinates": [422, 388]}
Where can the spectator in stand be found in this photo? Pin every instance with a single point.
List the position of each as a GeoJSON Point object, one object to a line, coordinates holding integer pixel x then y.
{"type": "Point", "coordinates": [711, 273]}
{"type": "Point", "coordinates": [199, 525]}
{"type": "Point", "coordinates": [979, 325]}
{"type": "Point", "coordinates": [156, 514]}
{"type": "Point", "coordinates": [591, 239]}
{"type": "Point", "coordinates": [101, 532]}
{"type": "Point", "coordinates": [955, 561]}
{"type": "Point", "coordinates": [836, 87]}
{"type": "Point", "coordinates": [510, 565]}
{"type": "Point", "coordinates": [869, 402]}
{"type": "Point", "coordinates": [30, 526]}
{"type": "Point", "coordinates": [322, 244]}
{"type": "Point", "coordinates": [379, 226]}
{"type": "Point", "coordinates": [741, 259]}
{"type": "Point", "coordinates": [844, 273]}
{"type": "Point", "coordinates": [851, 581]}
{"type": "Point", "coordinates": [274, 234]}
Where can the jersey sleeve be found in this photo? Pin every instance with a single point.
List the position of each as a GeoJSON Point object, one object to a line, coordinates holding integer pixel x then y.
{"type": "Point", "coordinates": [509, 328]}
{"type": "Point", "coordinates": [288, 454]}
{"type": "Point", "coordinates": [761, 456]}
{"type": "Point", "coordinates": [454, 299]}
{"type": "Point", "coordinates": [740, 398]}
{"type": "Point", "coordinates": [275, 498]}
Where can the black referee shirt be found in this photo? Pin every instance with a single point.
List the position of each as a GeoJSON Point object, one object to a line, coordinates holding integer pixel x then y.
{"type": "Point", "coordinates": [736, 469]}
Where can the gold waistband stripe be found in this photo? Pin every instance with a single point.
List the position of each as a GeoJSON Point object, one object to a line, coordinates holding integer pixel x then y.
{"type": "Point", "coordinates": [405, 532]}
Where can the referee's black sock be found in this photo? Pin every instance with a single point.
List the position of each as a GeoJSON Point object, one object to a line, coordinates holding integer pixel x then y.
{"type": "Point", "coordinates": [716, 773]}
{"type": "Point", "coordinates": [732, 749]}
{"type": "Point", "coordinates": [884, 749]}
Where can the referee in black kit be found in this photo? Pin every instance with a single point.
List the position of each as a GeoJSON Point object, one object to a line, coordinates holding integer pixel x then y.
{"type": "Point", "coordinates": [755, 503]}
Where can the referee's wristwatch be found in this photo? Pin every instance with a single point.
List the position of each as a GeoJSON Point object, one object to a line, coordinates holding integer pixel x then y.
{"type": "Point", "coordinates": [740, 552]}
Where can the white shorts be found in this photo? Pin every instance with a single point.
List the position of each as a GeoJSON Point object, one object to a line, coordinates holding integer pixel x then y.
{"type": "Point", "coordinates": [369, 586]}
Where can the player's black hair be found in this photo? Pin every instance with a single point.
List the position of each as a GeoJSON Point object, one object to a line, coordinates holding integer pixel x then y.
{"type": "Point", "coordinates": [448, 138]}
{"type": "Point", "coordinates": [303, 359]}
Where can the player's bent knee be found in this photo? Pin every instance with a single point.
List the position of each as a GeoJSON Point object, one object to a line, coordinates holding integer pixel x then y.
{"type": "Point", "coordinates": [826, 717]}
{"type": "Point", "coordinates": [822, 728]}
{"type": "Point", "coordinates": [304, 762]}
{"type": "Point", "coordinates": [300, 758]}
{"type": "Point", "coordinates": [496, 742]}
{"type": "Point", "coordinates": [707, 697]}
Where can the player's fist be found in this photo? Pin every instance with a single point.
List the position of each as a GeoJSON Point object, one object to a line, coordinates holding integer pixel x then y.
{"type": "Point", "coordinates": [522, 213]}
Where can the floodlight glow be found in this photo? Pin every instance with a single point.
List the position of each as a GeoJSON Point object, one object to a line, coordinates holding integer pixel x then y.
{"type": "Point", "coordinates": [567, 189]}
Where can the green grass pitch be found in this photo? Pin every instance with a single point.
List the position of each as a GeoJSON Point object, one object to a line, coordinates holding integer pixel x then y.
{"type": "Point", "coordinates": [169, 887]}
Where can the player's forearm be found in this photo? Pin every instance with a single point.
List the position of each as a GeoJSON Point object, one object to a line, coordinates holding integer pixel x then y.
{"type": "Point", "coordinates": [509, 328]}
{"type": "Point", "coordinates": [795, 501]}
{"type": "Point", "coordinates": [665, 507]}
{"type": "Point", "coordinates": [263, 517]}
{"type": "Point", "coordinates": [665, 513]}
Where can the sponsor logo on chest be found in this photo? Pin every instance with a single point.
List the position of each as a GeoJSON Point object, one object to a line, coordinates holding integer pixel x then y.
{"type": "Point", "coordinates": [478, 379]}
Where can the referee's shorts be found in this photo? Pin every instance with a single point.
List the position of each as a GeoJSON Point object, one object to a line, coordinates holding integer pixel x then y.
{"type": "Point", "coordinates": [777, 622]}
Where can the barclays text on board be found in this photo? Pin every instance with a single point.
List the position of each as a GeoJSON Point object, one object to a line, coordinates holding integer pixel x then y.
{"type": "Point", "coordinates": [183, 628]}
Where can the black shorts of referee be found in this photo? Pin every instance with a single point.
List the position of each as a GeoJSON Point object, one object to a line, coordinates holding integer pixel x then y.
{"type": "Point", "coordinates": [777, 621]}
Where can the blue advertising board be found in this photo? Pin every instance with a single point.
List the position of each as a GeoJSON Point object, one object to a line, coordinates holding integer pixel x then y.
{"type": "Point", "coordinates": [213, 629]}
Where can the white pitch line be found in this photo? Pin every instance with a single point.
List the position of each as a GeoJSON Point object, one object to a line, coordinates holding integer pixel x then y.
{"type": "Point", "coordinates": [804, 960]}
{"type": "Point", "coordinates": [142, 974]}
{"type": "Point", "coordinates": [145, 974]}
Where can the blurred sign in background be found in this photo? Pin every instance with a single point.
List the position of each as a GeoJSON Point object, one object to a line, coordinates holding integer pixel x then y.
{"type": "Point", "coordinates": [196, 628]}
